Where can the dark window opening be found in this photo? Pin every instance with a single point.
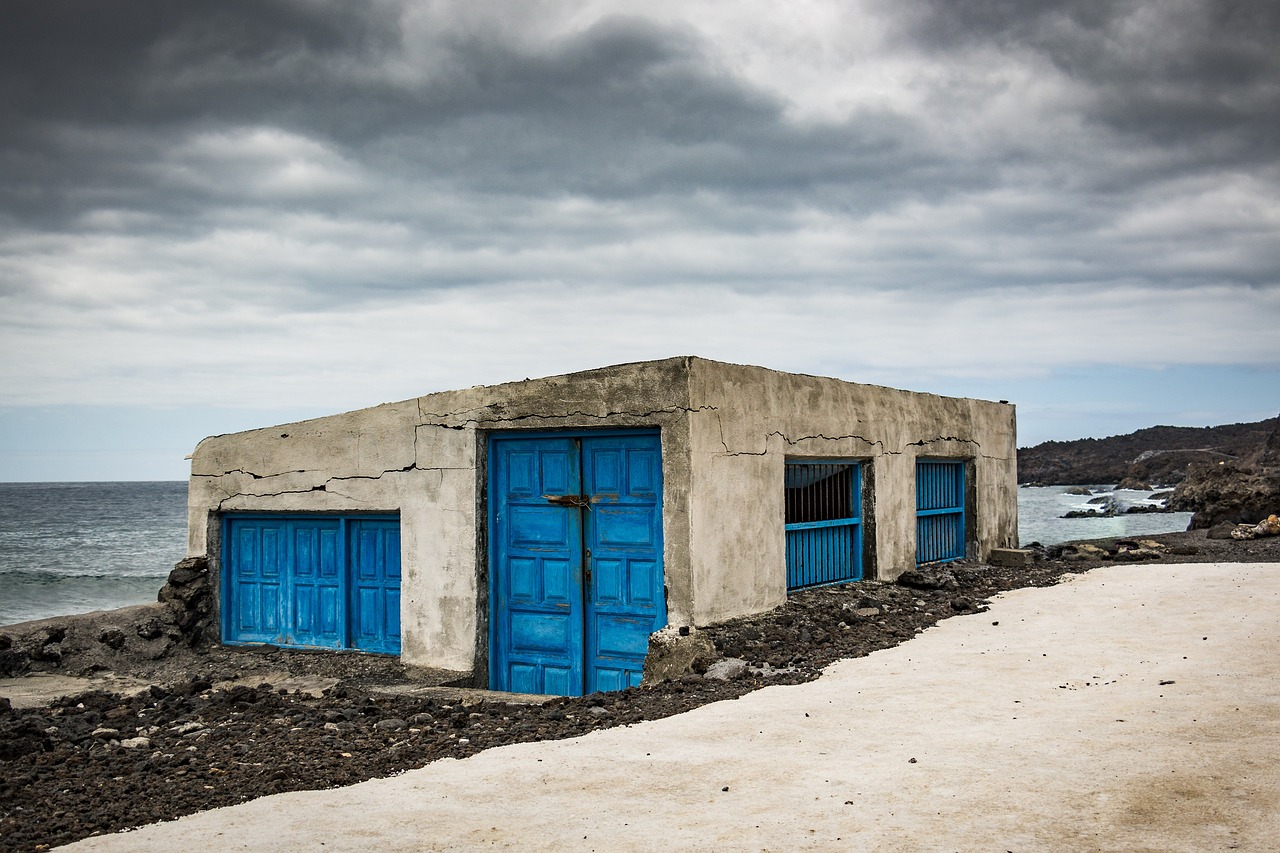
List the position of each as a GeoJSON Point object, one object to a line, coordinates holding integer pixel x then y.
{"type": "Point", "coordinates": [819, 492]}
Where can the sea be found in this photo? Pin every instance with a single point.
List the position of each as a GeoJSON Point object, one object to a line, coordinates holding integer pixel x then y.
{"type": "Point", "coordinates": [1040, 511]}
{"type": "Point", "coordinates": [74, 547]}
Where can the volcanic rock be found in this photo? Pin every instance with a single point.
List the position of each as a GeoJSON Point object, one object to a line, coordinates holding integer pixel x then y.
{"type": "Point", "coordinates": [1154, 455]}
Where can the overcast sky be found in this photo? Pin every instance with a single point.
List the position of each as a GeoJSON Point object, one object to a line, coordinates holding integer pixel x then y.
{"type": "Point", "coordinates": [221, 215]}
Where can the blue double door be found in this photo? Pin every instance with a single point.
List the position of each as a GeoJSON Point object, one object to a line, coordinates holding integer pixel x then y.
{"type": "Point", "coordinates": [312, 581]}
{"type": "Point", "coordinates": [576, 581]}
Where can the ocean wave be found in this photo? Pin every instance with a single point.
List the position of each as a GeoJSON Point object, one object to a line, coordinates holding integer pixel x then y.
{"type": "Point", "coordinates": [37, 575]}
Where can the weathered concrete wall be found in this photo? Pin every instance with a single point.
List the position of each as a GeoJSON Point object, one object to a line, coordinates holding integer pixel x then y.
{"type": "Point", "coordinates": [423, 459]}
{"type": "Point", "coordinates": [726, 433]}
{"type": "Point", "coordinates": [747, 421]}
{"type": "Point", "coordinates": [382, 459]}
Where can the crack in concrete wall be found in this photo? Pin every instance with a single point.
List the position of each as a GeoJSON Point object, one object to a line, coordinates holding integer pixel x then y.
{"type": "Point", "coordinates": [871, 442]}
{"type": "Point", "coordinates": [252, 475]}
{"type": "Point", "coordinates": [413, 466]}
{"type": "Point", "coordinates": [326, 486]}
{"type": "Point", "coordinates": [791, 441]}
{"type": "Point", "coordinates": [425, 423]}
{"type": "Point", "coordinates": [222, 502]}
{"type": "Point", "coordinates": [927, 441]}
{"type": "Point", "coordinates": [501, 419]}
{"type": "Point", "coordinates": [976, 444]}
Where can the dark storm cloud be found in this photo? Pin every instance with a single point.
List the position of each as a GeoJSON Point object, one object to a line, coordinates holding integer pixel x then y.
{"type": "Point", "coordinates": [100, 95]}
{"type": "Point", "coordinates": [1011, 144]}
{"type": "Point", "coordinates": [141, 61]}
{"type": "Point", "coordinates": [1201, 74]}
{"type": "Point", "coordinates": [93, 94]}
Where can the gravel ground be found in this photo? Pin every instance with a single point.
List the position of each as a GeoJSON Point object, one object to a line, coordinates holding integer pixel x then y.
{"type": "Point", "coordinates": [98, 763]}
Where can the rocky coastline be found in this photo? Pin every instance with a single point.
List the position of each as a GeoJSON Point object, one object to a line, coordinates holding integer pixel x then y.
{"type": "Point", "coordinates": [1235, 481]}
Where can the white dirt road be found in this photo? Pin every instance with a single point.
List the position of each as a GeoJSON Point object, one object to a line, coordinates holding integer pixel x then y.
{"type": "Point", "coordinates": [1134, 708]}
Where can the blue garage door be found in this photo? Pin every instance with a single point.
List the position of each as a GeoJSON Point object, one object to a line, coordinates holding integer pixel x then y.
{"type": "Point", "coordinates": [940, 521]}
{"type": "Point", "coordinates": [312, 581]}
{"type": "Point", "coordinates": [576, 553]}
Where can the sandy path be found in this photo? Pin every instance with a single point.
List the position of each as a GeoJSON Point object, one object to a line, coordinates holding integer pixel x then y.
{"type": "Point", "coordinates": [1132, 708]}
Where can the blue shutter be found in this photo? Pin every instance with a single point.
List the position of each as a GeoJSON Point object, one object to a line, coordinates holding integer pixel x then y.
{"type": "Point", "coordinates": [940, 511]}
{"type": "Point", "coordinates": [823, 521]}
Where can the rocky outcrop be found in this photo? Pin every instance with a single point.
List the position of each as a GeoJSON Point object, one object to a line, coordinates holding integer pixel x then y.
{"type": "Point", "coordinates": [1244, 492]}
{"type": "Point", "coordinates": [111, 639]}
{"type": "Point", "coordinates": [189, 599]}
{"type": "Point", "coordinates": [1134, 484]}
{"type": "Point", "coordinates": [1154, 455]}
{"type": "Point", "coordinates": [1227, 493]}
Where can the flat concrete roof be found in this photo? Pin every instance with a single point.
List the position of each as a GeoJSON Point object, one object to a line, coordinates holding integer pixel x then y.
{"type": "Point", "coordinates": [1132, 708]}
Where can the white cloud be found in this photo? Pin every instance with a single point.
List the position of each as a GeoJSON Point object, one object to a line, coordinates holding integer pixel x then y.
{"type": "Point", "coordinates": [261, 162]}
{"type": "Point", "coordinates": [359, 356]}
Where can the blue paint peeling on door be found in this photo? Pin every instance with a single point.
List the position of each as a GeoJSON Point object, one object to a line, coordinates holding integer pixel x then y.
{"type": "Point", "coordinates": [312, 581]}
{"type": "Point", "coordinates": [576, 557]}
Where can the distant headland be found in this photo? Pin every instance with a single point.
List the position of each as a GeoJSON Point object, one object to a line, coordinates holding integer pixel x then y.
{"type": "Point", "coordinates": [1158, 455]}
{"type": "Point", "coordinates": [1226, 475]}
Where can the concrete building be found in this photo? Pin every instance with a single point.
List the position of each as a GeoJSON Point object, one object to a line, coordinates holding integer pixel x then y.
{"type": "Point", "coordinates": [535, 533]}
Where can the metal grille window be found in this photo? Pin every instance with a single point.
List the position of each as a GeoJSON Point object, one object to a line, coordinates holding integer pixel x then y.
{"type": "Point", "coordinates": [823, 503]}
{"type": "Point", "coordinates": [940, 521]}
